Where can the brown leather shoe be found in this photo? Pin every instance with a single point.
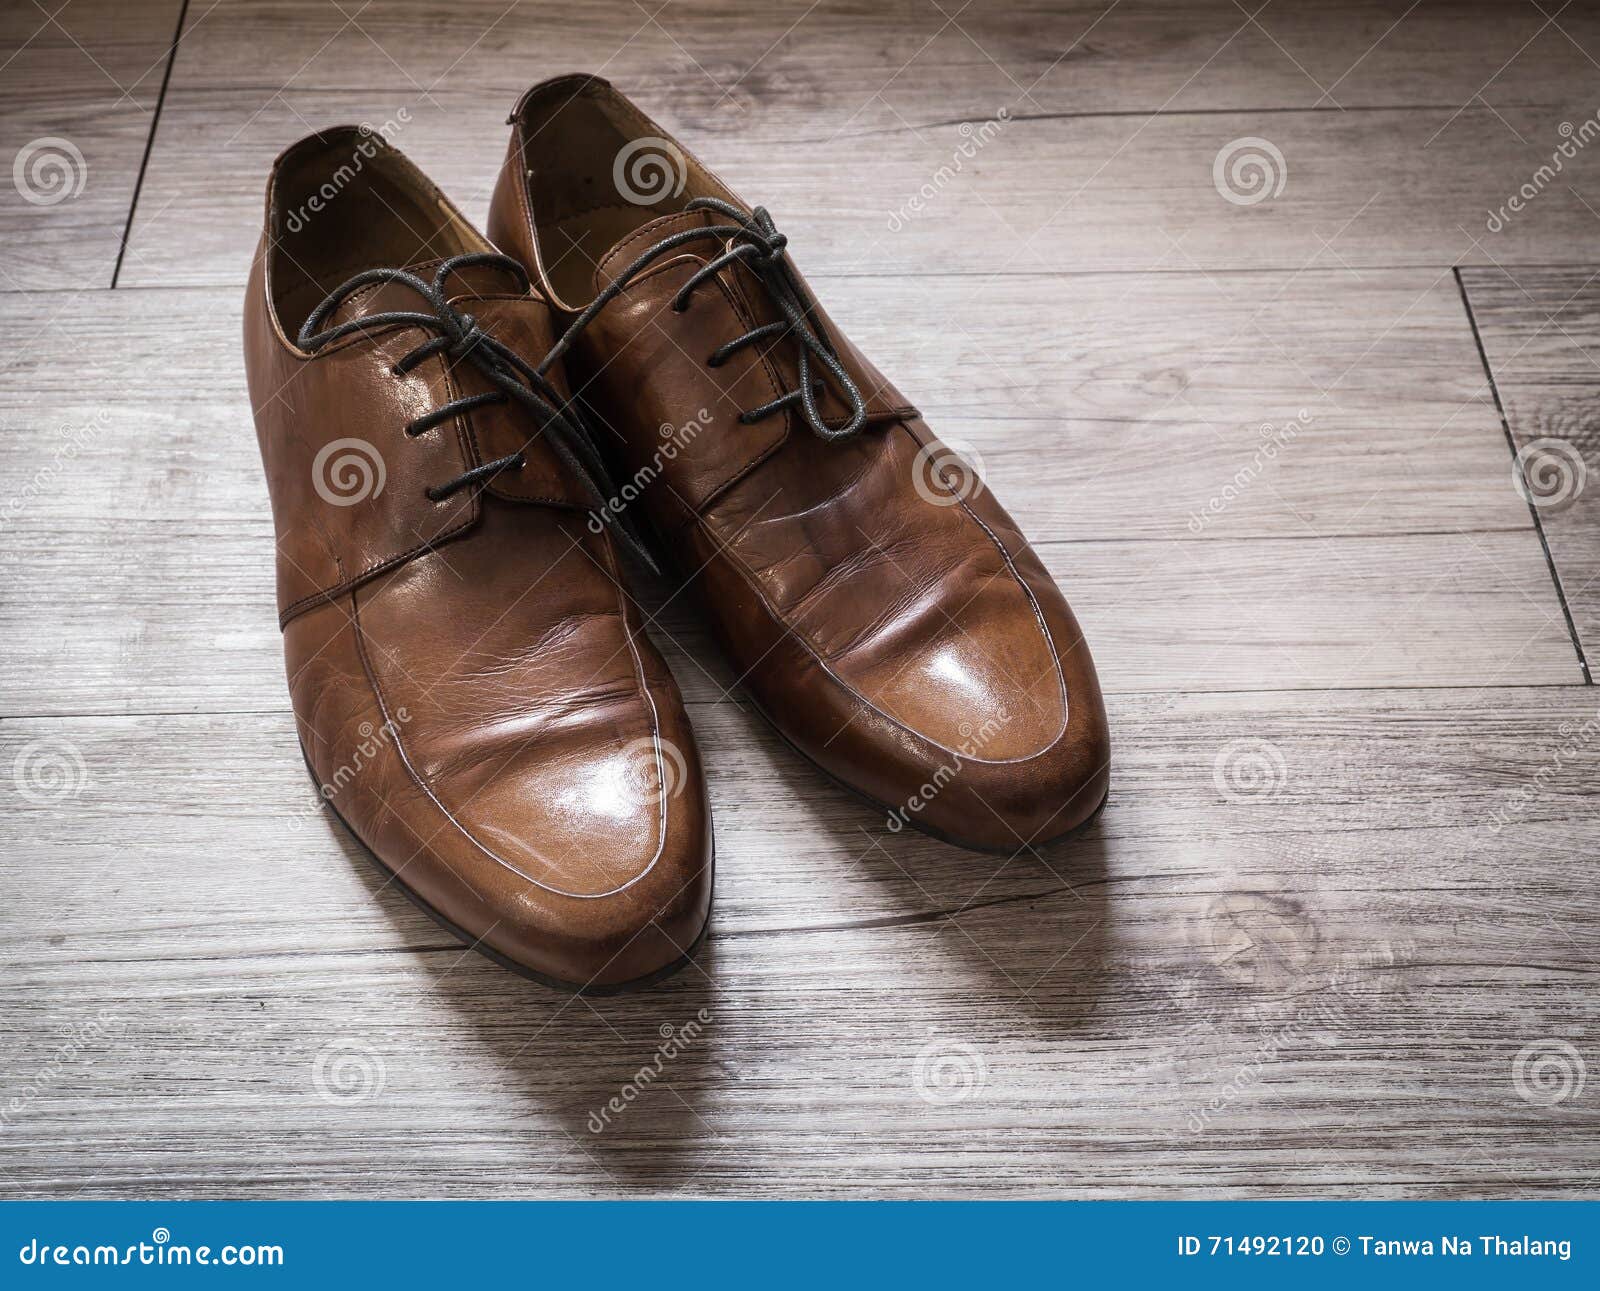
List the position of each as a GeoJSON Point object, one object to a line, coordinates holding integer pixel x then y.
{"type": "Point", "coordinates": [877, 603]}
{"type": "Point", "coordinates": [473, 691]}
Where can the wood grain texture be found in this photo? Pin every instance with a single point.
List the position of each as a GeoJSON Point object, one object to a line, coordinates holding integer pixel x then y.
{"type": "Point", "coordinates": [1127, 193]}
{"type": "Point", "coordinates": [847, 66]}
{"type": "Point", "coordinates": [139, 536]}
{"type": "Point", "coordinates": [1117, 119]}
{"type": "Point", "coordinates": [82, 76]}
{"type": "Point", "coordinates": [1317, 982]}
{"type": "Point", "coordinates": [1353, 407]}
{"type": "Point", "coordinates": [1541, 339]}
{"type": "Point", "coordinates": [1340, 898]}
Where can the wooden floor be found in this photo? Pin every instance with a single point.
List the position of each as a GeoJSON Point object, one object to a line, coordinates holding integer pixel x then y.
{"type": "Point", "coordinates": [1313, 447]}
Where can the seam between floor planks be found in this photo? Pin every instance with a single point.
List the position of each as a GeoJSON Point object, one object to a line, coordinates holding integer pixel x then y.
{"type": "Point", "coordinates": [283, 710]}
{"type": "Point", "coordinates": [1534, 517]}
{"type": "Point", "coordinates": [149, 143]}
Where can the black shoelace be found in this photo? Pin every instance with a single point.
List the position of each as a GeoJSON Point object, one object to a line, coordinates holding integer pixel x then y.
{"type": "Point", "coordinates": [459, 336]}
{"type": "Point", "coordinates": [755, 240]}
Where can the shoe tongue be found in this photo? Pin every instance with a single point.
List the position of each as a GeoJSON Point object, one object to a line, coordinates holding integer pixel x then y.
{"type": "Point", "coordinates": [646, 236]}
{"type": "Point", "coordinates": [394, 297]}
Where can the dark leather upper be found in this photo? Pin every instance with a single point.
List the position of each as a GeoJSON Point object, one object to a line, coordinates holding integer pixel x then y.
{"type": "Point", "coordinates": [876, 600]}
{"type": "Point", "coordinates": [472, 686]}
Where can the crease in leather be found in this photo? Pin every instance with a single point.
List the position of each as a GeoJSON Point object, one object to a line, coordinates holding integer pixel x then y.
{"type": "Point", "coordinates": [428, 791]}
{"type": "Point", "coordinates": [737, 562]}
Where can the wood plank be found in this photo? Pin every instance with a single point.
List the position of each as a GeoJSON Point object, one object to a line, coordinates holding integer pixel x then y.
{"type": "Point", "coordinates": [1364, 189]}
{"type": "Point", "coordinates": [180, 617]}
{"type": "Point", "coordinates": [845, 66]}
{"type": "Point", "coordinates": [79, 83]}
{"type": "Point", "coordinates": [1541, 338]}
{"type": "Point", "coordinates": [1231, 993]}
{"type": "Point", "coordinates": [1352, 407]}
{"type": "Point", "coordinates": [1082, 176]}
{"type": "Point", "coordinates": [138, 538]}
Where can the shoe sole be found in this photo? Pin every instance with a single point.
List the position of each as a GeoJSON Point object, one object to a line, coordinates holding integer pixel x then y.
{"type": "Point", "coordinates": [489, 953]}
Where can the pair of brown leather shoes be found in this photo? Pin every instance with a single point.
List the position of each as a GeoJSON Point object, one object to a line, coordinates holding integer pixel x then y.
{"type": "Point", "coordinates": [466, 442]}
